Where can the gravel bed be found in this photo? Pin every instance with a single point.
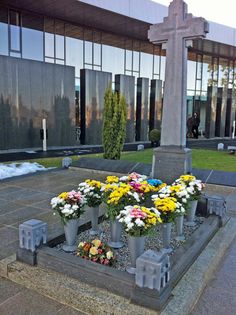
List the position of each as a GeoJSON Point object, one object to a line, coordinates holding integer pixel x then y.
{"type": "Point", "coordinates": [152, 242]}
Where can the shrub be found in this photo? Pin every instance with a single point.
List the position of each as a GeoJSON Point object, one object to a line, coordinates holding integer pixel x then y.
{"type": "Point", "coordinates": [114, 124]}
{"type": "Point", "coordinates": [155, 135]}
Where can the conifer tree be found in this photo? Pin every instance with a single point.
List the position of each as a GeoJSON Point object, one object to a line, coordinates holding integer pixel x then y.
{"type": "Point", "coordinates": [114, 124]}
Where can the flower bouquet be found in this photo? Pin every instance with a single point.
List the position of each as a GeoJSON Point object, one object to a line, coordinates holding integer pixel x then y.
{"type": "Point", "coordinates": [193, 186]}
{"type": "Point", "coordinates": [91, 190]}
{"type": "Point", "coordinates": [168, 207]}
{"type": "Point", "coordinates": [69, 205]}
{"type": "Point", "coordinates": [138, 220]}
{"type": "Point", "coordinates": [96, 251]}
{"type": "Point", "coordinates": [116, 196]}
{"type": "Point", "coordinates": [133, 177]}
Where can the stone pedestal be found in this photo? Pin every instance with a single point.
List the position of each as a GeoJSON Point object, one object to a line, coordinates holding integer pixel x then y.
{"type": "Point", "coordinates": [169, 162]}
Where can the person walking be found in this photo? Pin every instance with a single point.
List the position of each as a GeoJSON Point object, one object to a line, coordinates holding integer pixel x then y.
{"type": "Point", "coordinates": [195, 125]}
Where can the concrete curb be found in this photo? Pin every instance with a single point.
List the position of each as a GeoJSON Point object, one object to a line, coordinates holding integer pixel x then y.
{"type": "Point", "coordinates": [189, 289]}
{"type": "Point", "coordinates": [93, 300]}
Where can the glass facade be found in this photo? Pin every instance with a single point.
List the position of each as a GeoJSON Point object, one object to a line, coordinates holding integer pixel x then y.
{"type": "Point", "coordinates": [36, 37]}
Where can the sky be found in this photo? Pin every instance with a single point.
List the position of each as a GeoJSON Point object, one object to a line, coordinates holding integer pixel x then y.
{"type": "Point", "coordinates": [219, 11]}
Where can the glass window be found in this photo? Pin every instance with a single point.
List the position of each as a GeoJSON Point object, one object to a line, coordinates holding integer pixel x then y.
{"type": "Point", "coordinates": [157, 60]}
{"type": "Point", "coordinates": [97, 54]}
{"type": "Point", "coordinates": [223, 72]}
{"type": "Point", "coordinates": [88, 53]}
{"type": "Point", "coordinates": [74, 54]}
{"type": "Point", "coordinates": [135, 61]}
{"type": "Point", "coordinates": [113, 59]}
{"type": "Point", "coordinates": [3, 32]}
{"type": "Point", "coordinates": [49, 45]}
{"type": "Point", "coordinates": [32, 37]}
{"type": "Point", "coordinates": [163, 67]}
{"type": "Point", "coordinates": [15, 30]}
{"type": "Point", "coordinates": [128, 60]}
{"type": "Point", "coordinates": [206, 72]}
{"type": "Point", "coordinates": [47, 59]}
{"type": "Point", "coordinates": [32, 44]}
{"type": "Point", "coordinates": [60, 46]}
{"type": "Point", "coordinates": [191, 75]}
{"type": "Point", "coordinates": [146, 65]}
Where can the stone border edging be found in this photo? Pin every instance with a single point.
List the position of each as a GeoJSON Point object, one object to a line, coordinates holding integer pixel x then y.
{"type": "Point", "coordinates": [189, 289]}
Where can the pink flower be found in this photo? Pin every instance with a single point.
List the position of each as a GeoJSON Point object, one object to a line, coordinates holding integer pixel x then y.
{"type": "Point", "coordinates": [106, 262]}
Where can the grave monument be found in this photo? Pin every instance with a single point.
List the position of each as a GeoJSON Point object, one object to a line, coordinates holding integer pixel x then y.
{"type": "Point", "coordinates": [172, 158]}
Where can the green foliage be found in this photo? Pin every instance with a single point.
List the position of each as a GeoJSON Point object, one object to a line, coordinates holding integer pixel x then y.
{"type": "Point", "coordinates": [155, 135]}
{"type": "Point", "coordinates": [114, 124]}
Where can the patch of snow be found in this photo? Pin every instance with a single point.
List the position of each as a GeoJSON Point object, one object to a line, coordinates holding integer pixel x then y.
{"type": "Point", "coordinates": [17, 169]}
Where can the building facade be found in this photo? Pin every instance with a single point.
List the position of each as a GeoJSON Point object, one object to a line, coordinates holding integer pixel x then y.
{"type": "Point", "coordinates": [58, 57]}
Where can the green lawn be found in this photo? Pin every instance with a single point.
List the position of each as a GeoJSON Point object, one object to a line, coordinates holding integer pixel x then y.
{"type": "Point", "coordinates": [207, 159]}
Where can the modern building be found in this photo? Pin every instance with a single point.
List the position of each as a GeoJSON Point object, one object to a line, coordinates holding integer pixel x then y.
{"type": "Point", "coordinates": [58, 57]}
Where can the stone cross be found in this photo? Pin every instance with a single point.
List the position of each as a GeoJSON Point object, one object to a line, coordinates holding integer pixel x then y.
{"type": "Point", "coordinates": [176, 29]}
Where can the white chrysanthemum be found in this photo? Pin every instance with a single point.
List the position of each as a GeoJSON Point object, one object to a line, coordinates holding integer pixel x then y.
{"type": "Point", "coordinates": [124, 178]}
{"type": "Point", "coordinates": [139, 222]}
{"type": "Point", "coordinates": [130, 225]}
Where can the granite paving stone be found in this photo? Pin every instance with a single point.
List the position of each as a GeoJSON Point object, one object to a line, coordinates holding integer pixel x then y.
{"type": "Point", "coordinates": [21, 214]}
{"type": "Point", "coordinates": [219, 297]}
{"type": "Point", "coordinates": [28, 302]}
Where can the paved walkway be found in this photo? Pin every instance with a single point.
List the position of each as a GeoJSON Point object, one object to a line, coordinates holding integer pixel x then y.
{"type": "Point", "coordinates": [219, 297]}
{"type": "Point", "coordinates": [27, 197]}
{"type": "Point", "coordinates": [24, 198]}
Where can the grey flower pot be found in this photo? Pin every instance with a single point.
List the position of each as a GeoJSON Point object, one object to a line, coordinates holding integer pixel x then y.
{"type": "Point", "coordinates": [94, 221]}
{"type": "Point", "coordinates": [70, 229]}
{"type": "Point", "coordinates": [191, 211]}
{"type": "Point", "coordinates": [116, 231]}
{"type": "Point", "coordinates": [179, 222]}
{"type": "Point", "coordinates": [136, 246]}
{"type": "Point", "coordinates": [166, 237]}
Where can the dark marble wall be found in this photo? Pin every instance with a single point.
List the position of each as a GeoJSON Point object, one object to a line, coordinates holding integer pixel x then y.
{"type": "Point", "coordinates": [230, 112]}
{"type": "Point", "coordinates": [211, 111]}
{"type": "Point", "coordinates": [124, 84]}
{"type": "Point", "coordinates": [221, 111]}
{"type": "Point", "coordinates": [93, 85]}
{"type": "Point", "coordinates": [155, 105]}
{"type": "Point", "coordinates": [29, 92]}
{"type": "Point", "coordinates": [142, 109]}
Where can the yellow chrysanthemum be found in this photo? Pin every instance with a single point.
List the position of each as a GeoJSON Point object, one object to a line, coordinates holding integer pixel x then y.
{"type": "Point", "coordinates": [167, 204]}
{"type": "Point", "coordinates": [112, 179]}
{"type": "Point", "coordinates": [63, 195]}
{"type": "Point", "coordinates": [187, 178]}
{"type": "Point", "coordinates": [94, 183]}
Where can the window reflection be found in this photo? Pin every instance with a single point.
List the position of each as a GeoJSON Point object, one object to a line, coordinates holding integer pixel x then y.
{"type": "Point", "coordinates": [32, 44]}
{"type": "Point", "coordinates": [146, 65]}
{"type": "Point", "coordinates": [3, 39]}
{"type": "Point", "coordinates": [88, 52]}
{"type": "Point", "coordinates": [15, 30]}
{"type": "Point", "coordinates": [3, 32]}
{"type": "Point", "coordinates": [49, 45]}
{"type": "Point", "coordinates": [114, 64]}
{"type": "Point", "coordinates": [60, 42]}
{"type": "Point", "coordinates": [74, 54]}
